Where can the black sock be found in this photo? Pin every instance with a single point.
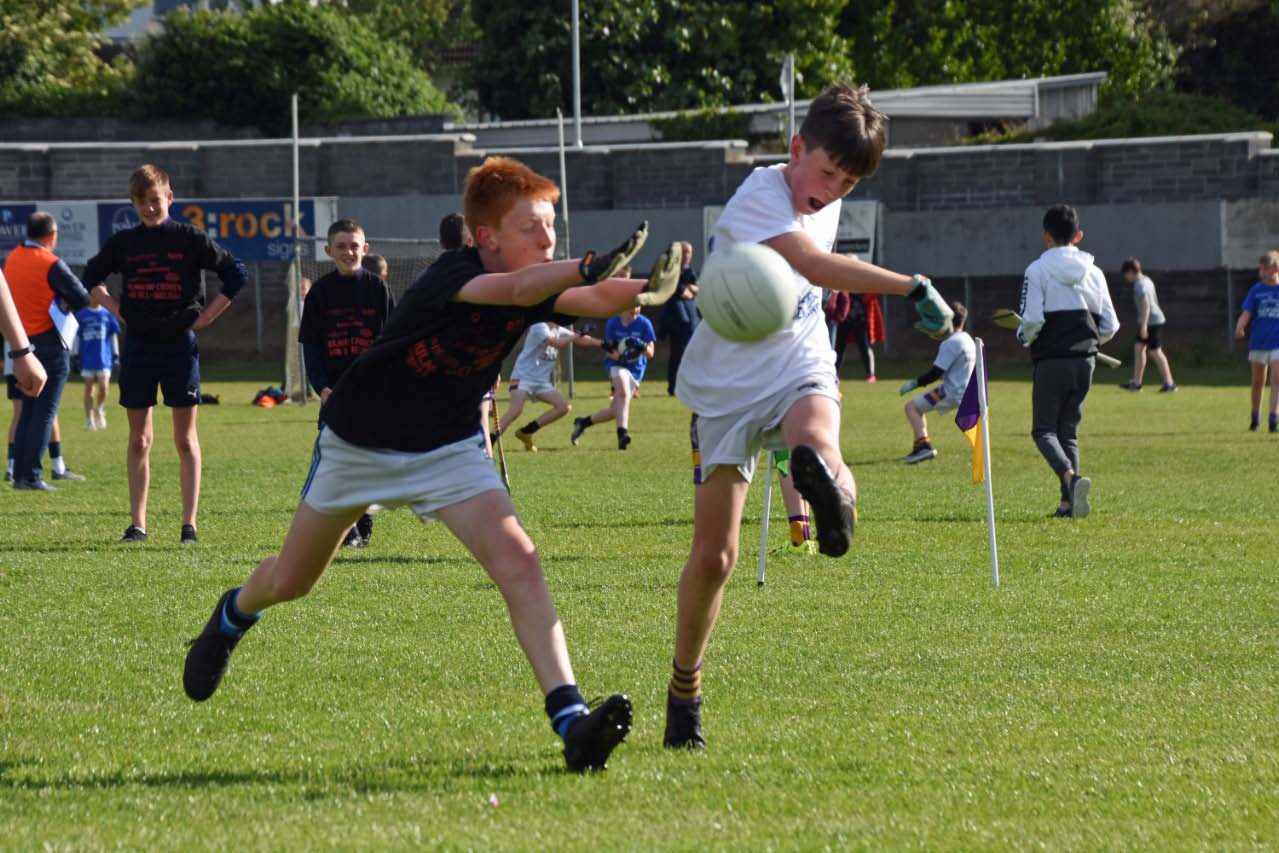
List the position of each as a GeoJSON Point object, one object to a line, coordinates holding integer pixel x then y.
{"type": "Point", "coordinates": [621, 432]}
{"type": "Point", "coordinates": [530, 427]}
{"type": "Point", "coordinates": [586, 422]}
{"type": "Point", "coordinates": [55, 449]}
{"type": "Point", "coordinates": [564, 704]}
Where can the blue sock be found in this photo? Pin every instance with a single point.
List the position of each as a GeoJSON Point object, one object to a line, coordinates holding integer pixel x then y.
{"type": "Point", "coordinates": [234, 622]}
{"type": "Point", "coordinates": [564, 704]}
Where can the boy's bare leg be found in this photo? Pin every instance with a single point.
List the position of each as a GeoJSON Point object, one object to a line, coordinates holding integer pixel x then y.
{"type": "Point", "coordinates": [139, 464]}
{"type": "Point", "coordinates": [187, 441]}
{"type": "Point", "coordinates": [717, 525]}
{"type": "Point", "coordinates": [814, 421]}
{"type": "Point", "coordinates": [1274, 388]}
{"type": "Point", "coordinates": [1258, 382]}
{"type": "Point", "coordinates": [308, 549]}
{"type": "Point", "coordinates": [513, 410]}
{"type": "Point", "coordinates": [560, 407]}
{"type": "Point", "coordinates": [90, 397]}
{"type": "Point", "coordinates": [1139, 362]}
{"type": "Point", "coordinates": [621, 403]}
{"type": "Point", "coordinates": [1161, 362]}
{"type": "Point", "coordinates": [918, 423]}
{"type": "Point", "coordinates": [489, 528]}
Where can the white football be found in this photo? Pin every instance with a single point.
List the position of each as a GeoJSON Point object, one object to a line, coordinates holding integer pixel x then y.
{"type": "Point", "coordinates": [747, 292]}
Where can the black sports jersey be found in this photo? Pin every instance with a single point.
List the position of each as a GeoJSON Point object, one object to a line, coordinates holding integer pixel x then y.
{"type": "Point", "coordinates": [162, 295]}
{"type": "Point", "coordinates": [419, 386]}
{"type": "Point", "coordinates": [341, 317]}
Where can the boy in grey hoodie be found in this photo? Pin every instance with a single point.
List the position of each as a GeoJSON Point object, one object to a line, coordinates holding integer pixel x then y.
{"type": "Point", "coordinates": [1066, 314]}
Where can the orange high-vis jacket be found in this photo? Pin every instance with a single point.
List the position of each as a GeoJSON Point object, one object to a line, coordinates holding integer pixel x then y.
{"type": "Point", "coordinates": [27, 270]}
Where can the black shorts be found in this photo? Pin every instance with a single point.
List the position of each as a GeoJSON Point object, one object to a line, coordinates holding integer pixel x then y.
{"type": "Point", "coordinates": [1154, 338]}
{"type": "Point", "coordinates": [174, 365]}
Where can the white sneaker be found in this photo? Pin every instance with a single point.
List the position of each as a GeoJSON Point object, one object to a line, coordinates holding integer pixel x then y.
{"type": "Point", "coordinates": [102, 417]}
{"type": "Point", "coordinates": [90, 423]}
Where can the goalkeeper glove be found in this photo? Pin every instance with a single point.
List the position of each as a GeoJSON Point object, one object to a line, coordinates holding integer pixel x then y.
{"type": "Point", "coordinates": [664, 278]}
{"type": "Point", "coordinates": [935, 315]}
{"type": "Point", "coordinates": [595, 268]}
{"type": "Point", "coordinates": [908, 386]}
{"type": "Point", "coordinates": [634, 349]}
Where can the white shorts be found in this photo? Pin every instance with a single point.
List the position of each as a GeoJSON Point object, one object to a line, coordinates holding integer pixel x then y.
{"type": "Point", "coordinates": [344, 477]}
{"type": "Point", "coordinates": [737, 439]}
{"type": "Point", "coordinates": [532, 388]}
{"type": "Point", "coordinates": [629, 382]}
{"type": "Point", "coordinates": [105, 373]}
{"type": "Point", "coordinates": [935, 401]}
{"type": "Point", "coordinates": [1263, 356]}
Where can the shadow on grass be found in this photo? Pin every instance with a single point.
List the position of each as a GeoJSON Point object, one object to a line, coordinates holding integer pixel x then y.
{"type": "Point", "coordinates": [419, 774]}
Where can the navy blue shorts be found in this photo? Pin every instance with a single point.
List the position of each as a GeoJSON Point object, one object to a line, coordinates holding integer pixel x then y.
{"type": "Point", "coordinates": [1154, 336]}
{"type": "Point", "coordinates": [173, 365]}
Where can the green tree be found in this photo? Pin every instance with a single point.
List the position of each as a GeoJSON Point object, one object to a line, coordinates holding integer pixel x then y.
{"type": "Point", "coordinates": [241, 69]}
{"type": "Point", "coordinates": [651, 54]}
{"type": "Point", "coordinates": [430, 30]}
{"type": "Point", "coordinates": [1235, 55]}
{"type": "Point", "coordinates": [49, 57]}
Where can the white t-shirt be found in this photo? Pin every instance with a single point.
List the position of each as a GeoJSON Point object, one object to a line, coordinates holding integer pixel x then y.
{"type": "Point", "coordinates": [1144, 288]}
{"type": "Point", "coordinates": [536, 361]}
{"type": "Point", "coordinates": [955, 359]}
{"type": "Point", "coordinates": [718, 376]}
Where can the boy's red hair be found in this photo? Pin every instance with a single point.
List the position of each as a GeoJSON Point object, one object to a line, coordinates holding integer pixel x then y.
{"type": "Point", "coordinates": [145, 177]}
{"type": "Point", "coordinates": [493, 187]}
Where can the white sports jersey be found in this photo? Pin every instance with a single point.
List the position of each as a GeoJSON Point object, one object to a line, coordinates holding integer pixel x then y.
{"type": "Point", "coordinates": [955, 359]}
{"type": "Point", "coordinates": [1144, 288]}
{"type": "Point", "coordinates": [718, 376]}
{"type": "Point", "coordinates": [536, 361]}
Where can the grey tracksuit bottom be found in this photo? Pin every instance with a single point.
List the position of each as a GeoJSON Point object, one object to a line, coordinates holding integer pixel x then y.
{"type": "Point", "coordinates": [1060, 387]}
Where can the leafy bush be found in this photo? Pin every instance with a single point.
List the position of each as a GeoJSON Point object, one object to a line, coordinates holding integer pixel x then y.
{"type": "Point", "coordinates": [241, 69]}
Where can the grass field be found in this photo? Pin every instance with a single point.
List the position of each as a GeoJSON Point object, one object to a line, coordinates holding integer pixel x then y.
{"type": "Point", "coordinates": [1120, 689]}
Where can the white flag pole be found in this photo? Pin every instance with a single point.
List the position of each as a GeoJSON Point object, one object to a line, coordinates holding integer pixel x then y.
{"type": "Point", "coordinates": [980, 376]}
{"type": "Point", "coordinates": [768, 505]}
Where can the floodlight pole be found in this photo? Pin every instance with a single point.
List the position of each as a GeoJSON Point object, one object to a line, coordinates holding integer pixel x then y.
{"type": "Point", "coordinates": [568, 238]}
{"type": "Point", "coordinates": [297, 236]}
{"type": "Point", "coordinates": [577, 78]}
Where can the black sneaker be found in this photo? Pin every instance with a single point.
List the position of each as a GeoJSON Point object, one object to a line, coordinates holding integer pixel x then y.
{"type": "Point", "coordinates": [1130, 386]}
{"type": "Point", "coordinates": [1061, 512]}
{"type": "Point", "coordinates": [69, 475]}
{"type": "Point", "coordinates": [683, 725]}
{"type": "Point", "coordinates": [208, 655]}
{"type": "Point", "coordinates": [1079, 489]}
{"type": "Point", "coordinates": [34, 486]}
{"type": "Point", "coordinates": [1254, 424]}
{"type": "Point", "coordinates": [592, 737]}
{"type": "Point", "coordinates": [188, 535]}
{"type": "Point", "coordinates": [624, 441]}
{"type": "Point", "coordinates": [133, 533]}
{"type": "Point", "coordinates": [353, 538]}
{"type": "Point", "coordinates": [579, 427]}
{"type": "Point", "coordinates": [920, 453]}
{"type": "Point", "coordinates": [365, 528]}
{"type": "Point", "coordinates": [832, 508]}
{"type": "Point", "coordinates": [1168, 389]}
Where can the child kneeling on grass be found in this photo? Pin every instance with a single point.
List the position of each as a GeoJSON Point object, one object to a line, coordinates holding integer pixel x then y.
{"type": "Point", "coordinates": [402, 428]}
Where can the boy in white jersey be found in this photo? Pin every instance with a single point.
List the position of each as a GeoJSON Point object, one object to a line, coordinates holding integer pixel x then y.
{"type": "Point", "coordinates": [953, 365]}
{"type": "Point", "coordinates": [532, 377]}
{"type": "Point", "coordinates": [780, 392]}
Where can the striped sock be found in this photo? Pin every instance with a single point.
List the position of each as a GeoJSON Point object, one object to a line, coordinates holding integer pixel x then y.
{"type": "Point", "coordinates": [234, 622]}
{"type": "Point", "coordinates": [686, 684]}
{"type": "Point", "coordinates": [564, 704]}
{"type": "Point", "coordinates": [800, 530]}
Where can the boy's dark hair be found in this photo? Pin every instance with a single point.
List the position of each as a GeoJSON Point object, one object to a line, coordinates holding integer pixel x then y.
{"type": "Point", "coordinates": [1130, 265]}
{"type": "Point", "coordinates": [375, 264]}
{"type": "Point", "coordinates": [843, 122]}
{"type": "Point", "coordinates": [145, 177]}
{"type": "Point", "coordinates": [350, 226]}
{"type": "Point", "coordinates": [1061, 222]}
{"type": "Point", "coordinates": [961, 316]}
{"type": "Point", "coordinates": [453, 232]}
{"type": "Point", "coordinates": [40, 225]}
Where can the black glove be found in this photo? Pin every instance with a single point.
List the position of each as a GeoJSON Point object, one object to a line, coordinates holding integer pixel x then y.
{"type": "Point", "coordinates": [595, 268]}
{"type": "Point", "coordinates": [634, 349]}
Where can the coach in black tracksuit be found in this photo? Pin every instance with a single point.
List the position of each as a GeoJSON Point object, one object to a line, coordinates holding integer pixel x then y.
{"type": "Point", "coordinates": [1066, 313]}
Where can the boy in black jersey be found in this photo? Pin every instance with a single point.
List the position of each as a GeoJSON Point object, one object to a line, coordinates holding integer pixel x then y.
{"type": "Point", "coordinates": [344, 312]}
{"type": "Point", "coordinates": [402, 428]}
{"type": "Point", "coordinates": [162, 306]}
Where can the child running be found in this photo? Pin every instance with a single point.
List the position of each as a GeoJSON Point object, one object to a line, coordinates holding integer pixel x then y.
{"type": "Point", "coordinates": [629, 341]}
{"type": "Point", "coordinates": [533, 376]}
{"type": "Point", "coordinates": [780, 392]}
{"type": "Point", "coordinates": [953, 365]}
{"type": "Point", "coordinates": [402, 428]}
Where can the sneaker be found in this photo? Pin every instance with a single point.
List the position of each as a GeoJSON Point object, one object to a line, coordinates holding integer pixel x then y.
{"type": "Point", "coordinates": [921, 453]}
{"type": "Point", "coordinates": [68, 474]}
{"type": "Point", "coordinates": [683, 725]}
{"type": "Point", "coordinates": [188, 535]}
{"type": "Point", "coordinates": [1255, 423]}
{"type": "Point", "coordinates": [133, 533]}
{"type": "Point", "coordinates": [592, 737]}
{"type": "Point", "coordinates": [1079, 489]}
{"type": "Point", "coordinates": [526, 439]}
{"type": "Point", "coordinates": [579, 427]}
{"type": "Point", "coordinates": [832, 506]}
{"type": "Point", "coordinates": [1061, 512]}
{"type": "Point", "coordinates": [36, 485]}
{"type": "Point", "coordinates": [353, 538]}
{"type": "Point", "coordinates": [624, 441]}
{"type": "Point", "coordinates": [1130, 386]}
{"type": "Point", "coordinates": [102, 417]}
{"type": "Point", "coordinates": [365, 528]}
{"type": "Point", "coordinates": [91, 423]}
{"type": "Point", "coordinates": [1168, 389]}
{"type": "Point", "coordinates": [208, 655]}
{"type": "Point", "coordinates": [871, 378]}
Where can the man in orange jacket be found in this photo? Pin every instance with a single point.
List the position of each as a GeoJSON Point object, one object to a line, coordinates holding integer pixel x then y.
{"type": "Point", "coordinates": [36, 278]}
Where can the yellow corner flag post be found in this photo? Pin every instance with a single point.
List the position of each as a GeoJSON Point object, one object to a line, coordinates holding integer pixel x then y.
{"type": "Point", "coordinates": [973, 420]}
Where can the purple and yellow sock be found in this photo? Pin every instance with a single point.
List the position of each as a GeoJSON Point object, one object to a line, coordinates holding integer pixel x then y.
{"type": "Point", "coordinates": [800, 530]}
{"type": "Point", "coordinates": [686, 684]}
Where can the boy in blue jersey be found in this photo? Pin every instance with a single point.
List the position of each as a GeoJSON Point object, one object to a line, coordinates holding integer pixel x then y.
{"type": "Point", "coordinates": [629, 342]}
{"type": "Point", "coordinates": [96, 341]}
{"type": "Point", "coordinates": [1261, 308]}
{"type": "Point", "coordinates": [402, 428]}
{"type": "Point", "coordinates": [162, 305]}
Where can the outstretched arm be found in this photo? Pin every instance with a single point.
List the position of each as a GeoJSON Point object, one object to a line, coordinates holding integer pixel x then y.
{"type": "Point", "coordinates": [600, 300]}
{"type": "Point", "coordinates": [837, 272]}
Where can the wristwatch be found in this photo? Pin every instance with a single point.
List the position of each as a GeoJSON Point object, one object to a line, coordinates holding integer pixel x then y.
{"type": "Point", "coordinates": [19, 353]}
